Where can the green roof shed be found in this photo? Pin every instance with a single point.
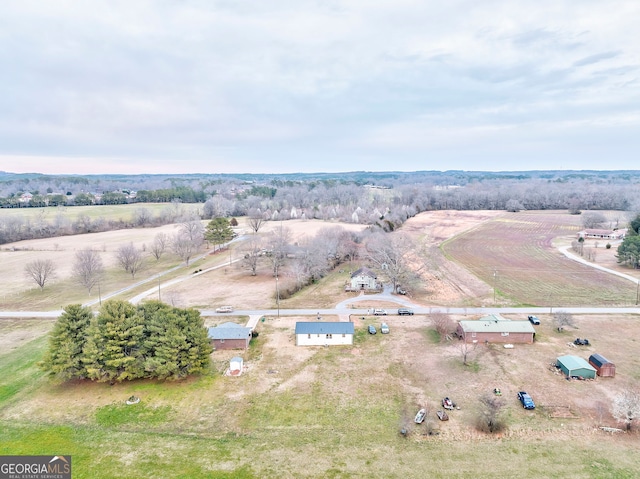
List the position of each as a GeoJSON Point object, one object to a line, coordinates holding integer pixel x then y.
{"type": "Point", "coordinates": [575, 366]}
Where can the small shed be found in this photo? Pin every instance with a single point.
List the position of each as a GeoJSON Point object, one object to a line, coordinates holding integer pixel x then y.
{"type": "Point", "coordinates": [235, 366]}
{"type": "Point", "coordinates": [575, 366]}
{"type": "Point", "coordinates": [604, 367]}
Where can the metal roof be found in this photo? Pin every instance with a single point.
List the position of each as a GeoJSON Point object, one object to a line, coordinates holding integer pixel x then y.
{"type": "Point", "coordinates": [573, 363]}
{"type": "Point", "coordinates": [229, 331]}
{"type": "Point", "coordinates": [495, 323]}
{"type": "Point", "coordinates": [341, 327]}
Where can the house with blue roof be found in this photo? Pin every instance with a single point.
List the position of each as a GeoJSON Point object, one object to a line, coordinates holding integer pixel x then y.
{"type": "Point", "coordinates": [324, 333]}
{"type": "Point", "coordinates": [229, 336]}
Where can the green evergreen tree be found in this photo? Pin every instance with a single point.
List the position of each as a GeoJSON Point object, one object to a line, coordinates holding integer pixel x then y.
{"type": "Point", "coordinates": [218, 231]}
{"type": "Point", "coordinates": [176, 341]}
{"type": "Point", "coordinates": [629, 251]}
{"type": "Point", "coordinates": [66, 343]}
{"type": "Point", "coordinates": [113, 350]}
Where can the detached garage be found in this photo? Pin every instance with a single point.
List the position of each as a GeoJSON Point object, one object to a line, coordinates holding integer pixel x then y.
{"type": "Point", "coordinates": [575, 366]}
{"type": "Point", "coordinates": [604, 367]}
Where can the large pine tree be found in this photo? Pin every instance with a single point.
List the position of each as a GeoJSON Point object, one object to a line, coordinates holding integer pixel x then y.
{"type": "Point", "coordinates": [113, 349]}
{"type": "Point", "coordinates": [176, 341]}
{"type": "Point", "coordinates": [125, 342]}
{"type": "Point", "coordinates": [66, 343]}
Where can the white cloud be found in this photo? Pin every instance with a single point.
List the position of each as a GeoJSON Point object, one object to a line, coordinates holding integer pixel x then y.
{"type": "Point", "coordinates": [258, 85]}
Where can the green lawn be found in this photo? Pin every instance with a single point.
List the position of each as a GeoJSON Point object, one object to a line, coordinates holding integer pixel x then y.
{"type": "Point", "coordinates": [202, 428]}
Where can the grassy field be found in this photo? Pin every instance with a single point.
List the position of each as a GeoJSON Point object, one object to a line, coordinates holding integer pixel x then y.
{"type": "Point", "coordinates": [516, 255]}
{"type": "Point", "coordinates": [107, 212]}
{"type": "Point", "coordinates": [317, 412]}
{"type": "Point", "coordinates": [337, 412]}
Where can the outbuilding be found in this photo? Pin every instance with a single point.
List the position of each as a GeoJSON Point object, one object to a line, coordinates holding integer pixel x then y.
{"type": "Point", "coordinates": [235, 366]}
{"type": "Point", "coordinates": [324, 333]}
{"type": "Point", "coordinates": [575, 366]}
{"type": "Point", "coordinates": [604, 367]}
{"type": "Point", "coordinates": [495, 329]}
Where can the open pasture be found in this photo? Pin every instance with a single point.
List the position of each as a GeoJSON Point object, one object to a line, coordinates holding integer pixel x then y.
{"type": "Point", "coordinates": [517, 255]}
{"type": "Point", "coordinates": [334, 412]}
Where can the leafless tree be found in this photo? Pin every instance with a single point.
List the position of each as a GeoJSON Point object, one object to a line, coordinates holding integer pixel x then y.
{"type": "Point", "coordinates": [277, 243]}
{"type": "Point", "coordinates": [563, 318]}
{"type": "Point", "coordinates": [489, 413]}
{"type": "Point", "coordinates": [41, 271]}
{"type": "Point", "coordinates": [466, 351]}
{"type": "Point", "coordinates": [88, 268]}
{"type": "Point", "coordinates": [255, 222]}
{"type": "Point", "coordinates": [389, 252]}
{"type": "Point", "coordinates": [626, 407]}
{"type": "Point", "coordinates": [252, 252]}
{"type": "Point", "coordinates": [192, 228]}
{"type": "Point", "coordinates": [183, 247]}
{"type": "Point", "coordinates": [130, 258]}
{"type": "Point", "coordinates": [141, 217]}
{"type": "Point", "coordinates": [593, 219]}
{"type": "Point", "coordinates": [159, 245]}
{"type": "Point", "coordinates": [443, 324]}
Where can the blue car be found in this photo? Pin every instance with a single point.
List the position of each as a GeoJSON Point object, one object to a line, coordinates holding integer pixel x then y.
{"type": "Point", "coordinates": [526, 400]}
{"type": "Point", "coordinates": [372, 329]}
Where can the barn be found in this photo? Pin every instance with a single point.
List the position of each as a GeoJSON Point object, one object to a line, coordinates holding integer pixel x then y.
{"type": "Point", "coordinates": [324, 333]}
{"type": "Point", "coordinates": [230, 336]}
{"type": "Point", "coordinates": [604, 367]}
{"type": "Point", "coordinates": [495, 329]}
{"type": "Point", "coordinates": [575, 366]}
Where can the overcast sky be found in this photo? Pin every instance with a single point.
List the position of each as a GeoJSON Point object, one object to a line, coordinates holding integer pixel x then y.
{"type": "Point", "coordinates": [242, 86]}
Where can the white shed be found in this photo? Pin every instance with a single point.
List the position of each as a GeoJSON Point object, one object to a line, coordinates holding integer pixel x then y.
{"type": "Point", "coordinates": [235, 366]}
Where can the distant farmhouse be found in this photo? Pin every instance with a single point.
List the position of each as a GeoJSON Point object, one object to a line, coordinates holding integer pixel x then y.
{"type": "Point", "coordinates": [602, 234]}
{"type": "Point", "coordinates": [324, 333]}
{"type": "Point", "coordinates": [363, 279]}
{"type": "Point", "coordinates": [495, 329]}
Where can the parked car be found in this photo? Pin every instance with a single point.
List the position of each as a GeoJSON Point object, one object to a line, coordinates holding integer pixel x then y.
{"type": "Point", "coordinates": [405, 312]}
{"type": "Point", "coordinates": [224, 309]}
{"type": "Point", "coordinates": [384, 328]}
{"type": "Point", "coordinates": [372, 329]}
{"type": "Point", "coordinates": [581, 342]}
{"type": "Point", "coordinates": [379, 312]}
{"type": "Point", "coordinates": [401, 290]}
{"type": "Point", "coordinates": [526, 400]}
{"type": "Point", "coordinates": [534, 320]}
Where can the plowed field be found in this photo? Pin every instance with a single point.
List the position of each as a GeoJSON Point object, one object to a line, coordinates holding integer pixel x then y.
{"type": "Point", "coordinates": [517, 255]}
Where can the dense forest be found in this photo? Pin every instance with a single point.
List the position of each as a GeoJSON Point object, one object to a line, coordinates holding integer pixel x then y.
{"type": "Point", "coordinates": [386, 199]}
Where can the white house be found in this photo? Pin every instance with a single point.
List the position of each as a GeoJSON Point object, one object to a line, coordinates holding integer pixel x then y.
{"type": "Point", "coordinates": [363, 278]}
{"type": "Point", "coordinates": [324, 333]}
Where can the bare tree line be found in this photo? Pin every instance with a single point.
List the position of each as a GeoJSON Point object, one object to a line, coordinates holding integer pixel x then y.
{"type": "Point", "coordinates": [354, 203]}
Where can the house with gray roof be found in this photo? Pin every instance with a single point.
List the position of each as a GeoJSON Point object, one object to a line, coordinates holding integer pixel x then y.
{"type": "Point", "coordinates": [495, 329]}
{"type": "Point", "coordinates": [324, 333]}
{"type": "Point", "coordinates": [229, 336]}
{"type": "Point", "coordinates": [363, 279]}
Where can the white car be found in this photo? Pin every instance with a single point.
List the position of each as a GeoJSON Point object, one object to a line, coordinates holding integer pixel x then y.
{"type": "Point", "coordinates": [224, 309]}
{"type": "Point", "coordinates": [384, 328]}
{"type": "Point", "coordinates": [379, 312]}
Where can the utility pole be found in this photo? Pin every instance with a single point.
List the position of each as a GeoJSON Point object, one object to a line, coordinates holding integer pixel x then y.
{"type": "Point", "coordinates": [278, 295]}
